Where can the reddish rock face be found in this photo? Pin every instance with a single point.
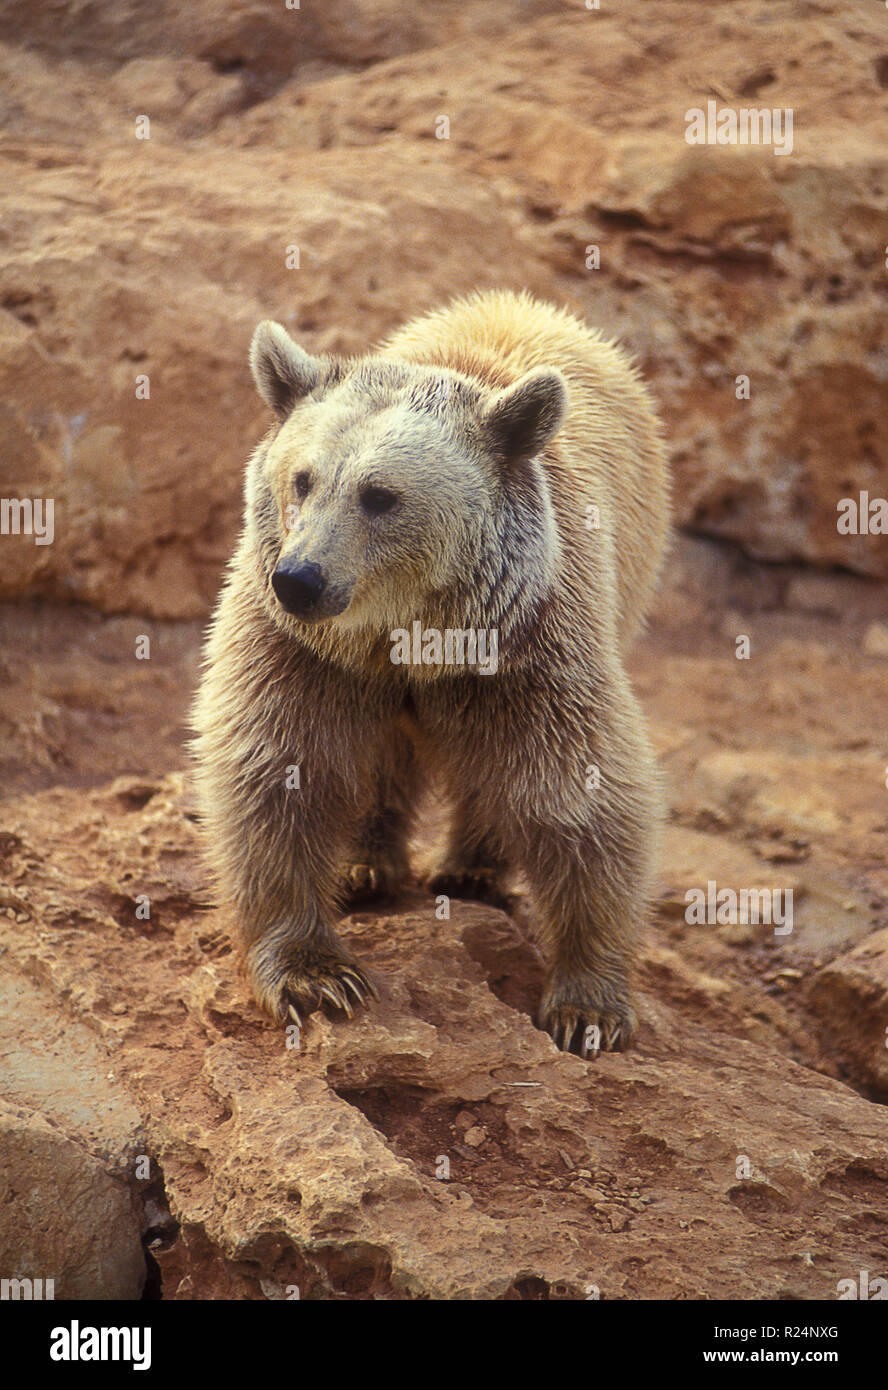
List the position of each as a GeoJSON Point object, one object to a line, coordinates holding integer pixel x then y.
{"type": "Point", "coordinates": [849, 998]}
{"type": "Point", "coordinates": [130, 258]}
{"type": "Point", "coordinates": [439, 1146]}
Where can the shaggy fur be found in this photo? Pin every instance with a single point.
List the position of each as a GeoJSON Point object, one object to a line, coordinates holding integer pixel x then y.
{"type": "Point", "coordinates": [446, 478]}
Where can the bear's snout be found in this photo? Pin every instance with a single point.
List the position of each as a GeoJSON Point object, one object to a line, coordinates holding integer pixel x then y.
{"type": "Point", "coordinates": [298, 586]}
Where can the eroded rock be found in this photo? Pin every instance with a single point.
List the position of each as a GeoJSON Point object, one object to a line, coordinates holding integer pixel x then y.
{"type": "Point", "coordinates": [69, 1141]}
{"type": "Point", "coordinates": [849, 998]}
{"type": "Point", "coordinates": [131, 261]}
{"type": "Point", "coordinates": [342, 1166]}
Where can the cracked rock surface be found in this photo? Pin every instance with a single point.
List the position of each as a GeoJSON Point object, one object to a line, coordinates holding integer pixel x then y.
{"type": "Point", "coordinates": [158, 1136]}
{"type": "Point", "coordinates": [271, 129]}
{"type": "Point", "coordinates": [438, 1146]}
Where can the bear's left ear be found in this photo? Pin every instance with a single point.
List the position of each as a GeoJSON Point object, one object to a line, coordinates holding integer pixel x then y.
{"type": "Point", "coordinates": [522, 418]}
{"type": "Point", "coordinates": [282, 370]}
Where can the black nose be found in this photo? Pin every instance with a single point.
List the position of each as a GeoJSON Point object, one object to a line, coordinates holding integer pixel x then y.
{"type": "Point", "coordinates": [298, 586]}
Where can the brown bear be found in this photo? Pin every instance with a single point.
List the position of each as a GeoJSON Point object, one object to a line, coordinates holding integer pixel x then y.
{"type": "Point", "coordinates": [447, 546]}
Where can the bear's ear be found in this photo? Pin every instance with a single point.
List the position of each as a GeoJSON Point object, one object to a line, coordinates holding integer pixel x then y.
{"type": "Point", "coordinates": [282, 371]}
{"type": "Point", "coordinates": [522, 418]}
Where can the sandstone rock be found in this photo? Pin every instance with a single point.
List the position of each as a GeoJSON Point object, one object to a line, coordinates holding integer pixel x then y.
{"type": "Point", "coordinates": [268, 41]}
{"type": "Point", "coordinates": [726, 200]}
{"type": "Point", "coordinates": [341, 1166]}
{"type": "Point", "coordinates": [714, 264]}
{"type": "Point", "coordinates": [147, 492]}
{"type": "Point", "coordinates": [849, 999]}
{"type": "Point", "coordinates": [69, 1207]}
{"type": "Point", "coordinates": [813, 593]}
{"type": "Point", "coordinates": [438, 1146]}
{"type": "Point", "coordinates": [154, 258]}
{"type": "Point", "coordinates": [692, 858]}
{"type": "Point", "coordinates": [776, 793]}
{"type": "Point", "coordinates": [875, 640]}
{"type": "Point", "coordinates": [61, 1216]}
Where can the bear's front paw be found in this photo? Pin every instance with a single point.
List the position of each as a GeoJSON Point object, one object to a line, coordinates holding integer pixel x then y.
{"type": "Point", "coordinates": [311, 978]}
{"type": "Point", "coordinates": [365, 881]}
{"type": "Point", "coordinates": [481, 882]}
{"type": "Point", "coordinates": [585, 1021]}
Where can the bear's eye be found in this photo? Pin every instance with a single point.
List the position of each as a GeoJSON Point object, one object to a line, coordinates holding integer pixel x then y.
{"type": "Point", "coordinates": [302, 485]}
{"type": "Point", "coordinates": [376, 500]}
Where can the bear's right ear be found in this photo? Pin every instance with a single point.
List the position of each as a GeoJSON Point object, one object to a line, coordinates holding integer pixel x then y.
{"type": "Point", "coordinates": [522, 418]}
{"type": "Point", "coordinates": [282, 371]}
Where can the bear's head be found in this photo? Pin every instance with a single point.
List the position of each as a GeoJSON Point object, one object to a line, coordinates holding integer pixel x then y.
{"type": "Point", "coordinates": [392, 491]}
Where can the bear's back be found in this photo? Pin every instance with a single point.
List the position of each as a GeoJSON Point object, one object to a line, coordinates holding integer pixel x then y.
{"type": "Point", "coordinates": [609, 454]}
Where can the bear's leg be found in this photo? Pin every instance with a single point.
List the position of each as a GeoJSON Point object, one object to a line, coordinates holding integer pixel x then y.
{"type": "Point", "coordinates": [590, 904]}
{"type": "Point", "coordinates": [283, 883]}
{"type": "Point", "coordinates": [379, 864]}
{"type": "Point", "coordinates": [473, 865]}
{"type": "Point", "coordinates": [286, 897]}
{"type": "Point", "coordinates": [280, 799]}
{"type": "Point", "coordinates": [591, 887]}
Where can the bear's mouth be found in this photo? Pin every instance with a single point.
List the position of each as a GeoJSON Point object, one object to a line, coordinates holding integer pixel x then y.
{"type": "Point", "coordinates": [328, 607]}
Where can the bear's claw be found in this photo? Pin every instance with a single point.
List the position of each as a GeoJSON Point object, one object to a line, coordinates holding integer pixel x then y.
{"type": "Point", "coordinates": [481, 884]}
{"type": "Point", "coordinates": [365, 881]}
{"type": "Point", "coordinates": [340, 984]}
{"type": "Point", "coordinates": [588, 1031]}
